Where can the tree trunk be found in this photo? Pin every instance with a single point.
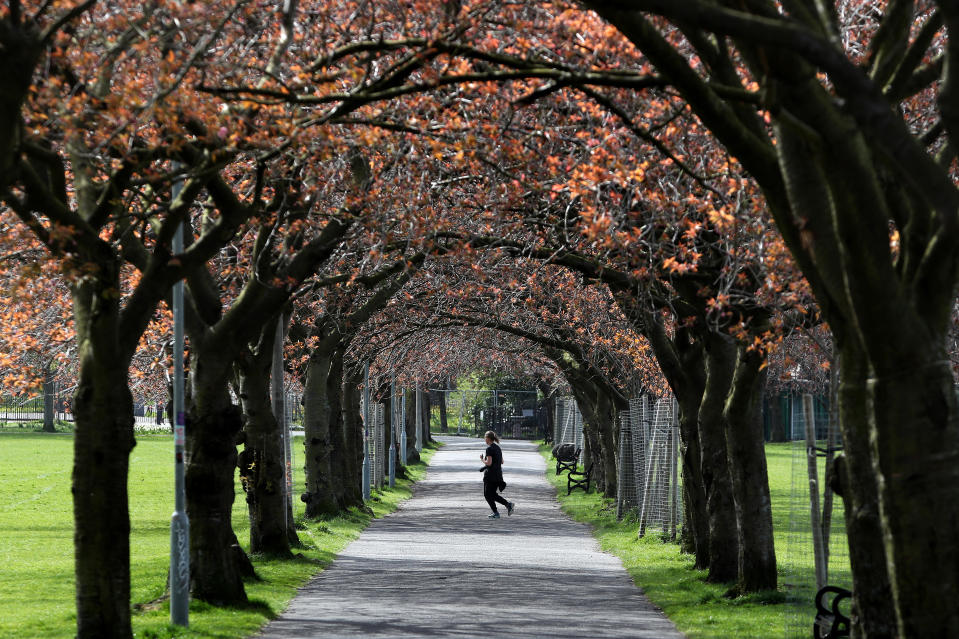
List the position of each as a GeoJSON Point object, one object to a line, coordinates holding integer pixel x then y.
{"type": "Point", "coordinates": [695, 537]}
{"type": "Point", "coordinates": [49, 410]}
{"type": "Point", "coordinates": [262, 463]}
{"type": "Point", "coordinates": [720, 508]}
{"type": "Point", "coordinates": [873, 613]}
{"type": "Point", "coordinates": [547, 409]}
{"type": "Point", "coordinates": [427, 408]}
{"type": "Point", "coordinates": [916, 447]}
{"type": "Point", "coordinates": [412, 455]}
{"type": "Point", "coordinates": [103, 439]}
{"type": "Point", "coordinates": [349, 476]}
{"type": "Point", "coordinates": [599, 416]}
{"type": "Point", "coordinates": [750, 481]}
{"type": "Point", "coordinates": [687, 378]}
{"type": "Point", "coordinates": [607, 414]}
{"type": "Point", "coordinates": [216, 560]}
{"type": "Point", "coordinates": [320, 424]}
{"type": "Point", "coordinates": [777, 430]}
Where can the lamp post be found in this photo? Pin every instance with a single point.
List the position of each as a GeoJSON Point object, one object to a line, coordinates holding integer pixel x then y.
{"type": "Point", "coordinates": [179, 522]}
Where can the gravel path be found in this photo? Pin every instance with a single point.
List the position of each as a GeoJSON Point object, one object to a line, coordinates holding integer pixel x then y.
{"type": "Point", "coordinates": [438, 567]}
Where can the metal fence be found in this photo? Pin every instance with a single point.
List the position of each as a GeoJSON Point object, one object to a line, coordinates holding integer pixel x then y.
{"type": "Point", "coordinates": [649, 483]}
{"type": "Point", "coordinates": [148, 415]}
{"type": "Point", "coordinates": [512, 414]}
{"type": "Point", "coordinates": [378, 449]}
{"type": "Point", "coordinates": [817, 549]}
{"type": "Point", "coordinates": [568, 425]}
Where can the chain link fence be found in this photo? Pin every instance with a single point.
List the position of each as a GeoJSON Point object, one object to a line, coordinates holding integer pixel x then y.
{"type": "Point", "coordinates": [649, 484]}
{"type": "Point", "coordinates": [568, 425]}
{"type": "Point", "coordinates": [378, 449]}
{"type": "Point", "coordinates": [817, 551]}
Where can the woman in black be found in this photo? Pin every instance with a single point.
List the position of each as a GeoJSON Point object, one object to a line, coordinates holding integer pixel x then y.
{"type": "Point", "coordinates": [493, 475]}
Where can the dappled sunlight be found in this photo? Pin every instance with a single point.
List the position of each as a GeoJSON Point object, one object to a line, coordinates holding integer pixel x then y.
{"type": "Point", "coordinates": [433, 566]}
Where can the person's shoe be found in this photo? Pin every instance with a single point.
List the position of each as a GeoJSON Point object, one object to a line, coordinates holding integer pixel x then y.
{"type": "Point", "coordinates": [509, 508]}
{"type": "Point", "coordinates": [493, 516]}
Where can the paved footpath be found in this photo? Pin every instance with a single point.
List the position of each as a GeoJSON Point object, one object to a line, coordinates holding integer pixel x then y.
{"type": "Point", "coordinates": [437, 567]}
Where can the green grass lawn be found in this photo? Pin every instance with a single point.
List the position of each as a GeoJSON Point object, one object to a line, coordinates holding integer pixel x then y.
{"type": "Point", "coordinates": [36, 542]}
{"type": "Point", "coordinates": [699, 609]}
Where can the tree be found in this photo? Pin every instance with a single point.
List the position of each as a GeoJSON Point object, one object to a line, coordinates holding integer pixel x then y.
{"type": "Point", "coordinates": [93, 186]}
{"type": "Point", "coordinates": [842, 124]}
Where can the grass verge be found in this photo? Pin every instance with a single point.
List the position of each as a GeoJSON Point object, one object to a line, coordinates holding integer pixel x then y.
{"type": "Point", "coordinates": [699, 609]}
{"type": "Point", "coordinates": [36, 542]}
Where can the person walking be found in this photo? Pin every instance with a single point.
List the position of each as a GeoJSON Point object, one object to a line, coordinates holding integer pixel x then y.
{"type": "Point", "coordinates": [493, 475]}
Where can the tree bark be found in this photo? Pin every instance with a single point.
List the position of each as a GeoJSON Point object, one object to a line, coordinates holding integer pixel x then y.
{"type": "Point", "coordinates": [412, 455]}
{"type": "Point", "coordinates": [873, 612]}
{"type": "Point", "coordinates": [689, 385]}
{"type": "Point", "coordinates": [750, 480]}
{"type": "Point", "coordinates": [49, 410]}
{"type": "Point", "coordinates": [696, 519]}
{"type": "Point", "coordinates": [720, 507]}
{"type": "Point", "coordinates": [599, 417]}
{"type": "Point", "coordinates": [217, 563]}
{"type": "Point", "coordinates": [777, 432]}
{"type": "Point", "coordinates": [427, 408]}
{"type": "Point", "coordinates": [262, 463]}
{"type": "Point", "coordinates": [548, 409]}
{"type": "Point", "coordinates": [349, 472]}
{"type": "Point", "coordinates": [320, 424]}
{"type": "Point", "coordinates": [919, 493]}
{"type": "Point", "coordinates": [103, 440]}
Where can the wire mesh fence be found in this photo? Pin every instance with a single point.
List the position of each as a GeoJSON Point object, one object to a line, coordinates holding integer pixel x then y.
{"type": "Point", "coordinates": [816, 548]}
{"type": "Point", "coordinates": [512, 414]}
{"type": "Point", "coordinates": [568, 425]}
{"type": "Point", "coordinates": [651, 485]}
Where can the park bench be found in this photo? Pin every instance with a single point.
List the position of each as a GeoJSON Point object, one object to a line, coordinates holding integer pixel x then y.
{"type": "Point", "coordinates": [577, 479]}
{"type": "Point", "coordinates": [564, 463]}
{"type": "Point", "coordinates": [830, 622]}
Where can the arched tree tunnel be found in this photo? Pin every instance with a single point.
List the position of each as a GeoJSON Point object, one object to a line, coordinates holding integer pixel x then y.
{"type": "Point", "coordinates": [604, 198]}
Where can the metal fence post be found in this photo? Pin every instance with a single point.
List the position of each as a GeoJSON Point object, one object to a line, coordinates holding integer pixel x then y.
{"type": "Point", "coordinates": [674, 471]}
{"type": "Point", "coordinates": [366, 433]}
{"type": "Point", "coordinates": [393, 421]}
{"type": "Point", "coordinates": [403, 458]}
{"type": "Point", "coordinates": [419, 418]}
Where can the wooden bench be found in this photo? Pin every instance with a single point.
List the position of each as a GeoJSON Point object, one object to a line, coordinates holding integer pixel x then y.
{"type": "Point", "coordinates": [576, 479]}
{"type": "Point", "coordinates": [830, 622]}
{"type": "Point", "coordinates": [563, 464]}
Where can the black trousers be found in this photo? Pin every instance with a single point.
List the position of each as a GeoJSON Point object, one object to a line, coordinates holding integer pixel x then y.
{"type": "Point", "coordinates": [489, 492]}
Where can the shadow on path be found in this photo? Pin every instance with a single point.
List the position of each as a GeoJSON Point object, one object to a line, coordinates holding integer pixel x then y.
{"type": "Point", "coordinates": [437, 567]}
